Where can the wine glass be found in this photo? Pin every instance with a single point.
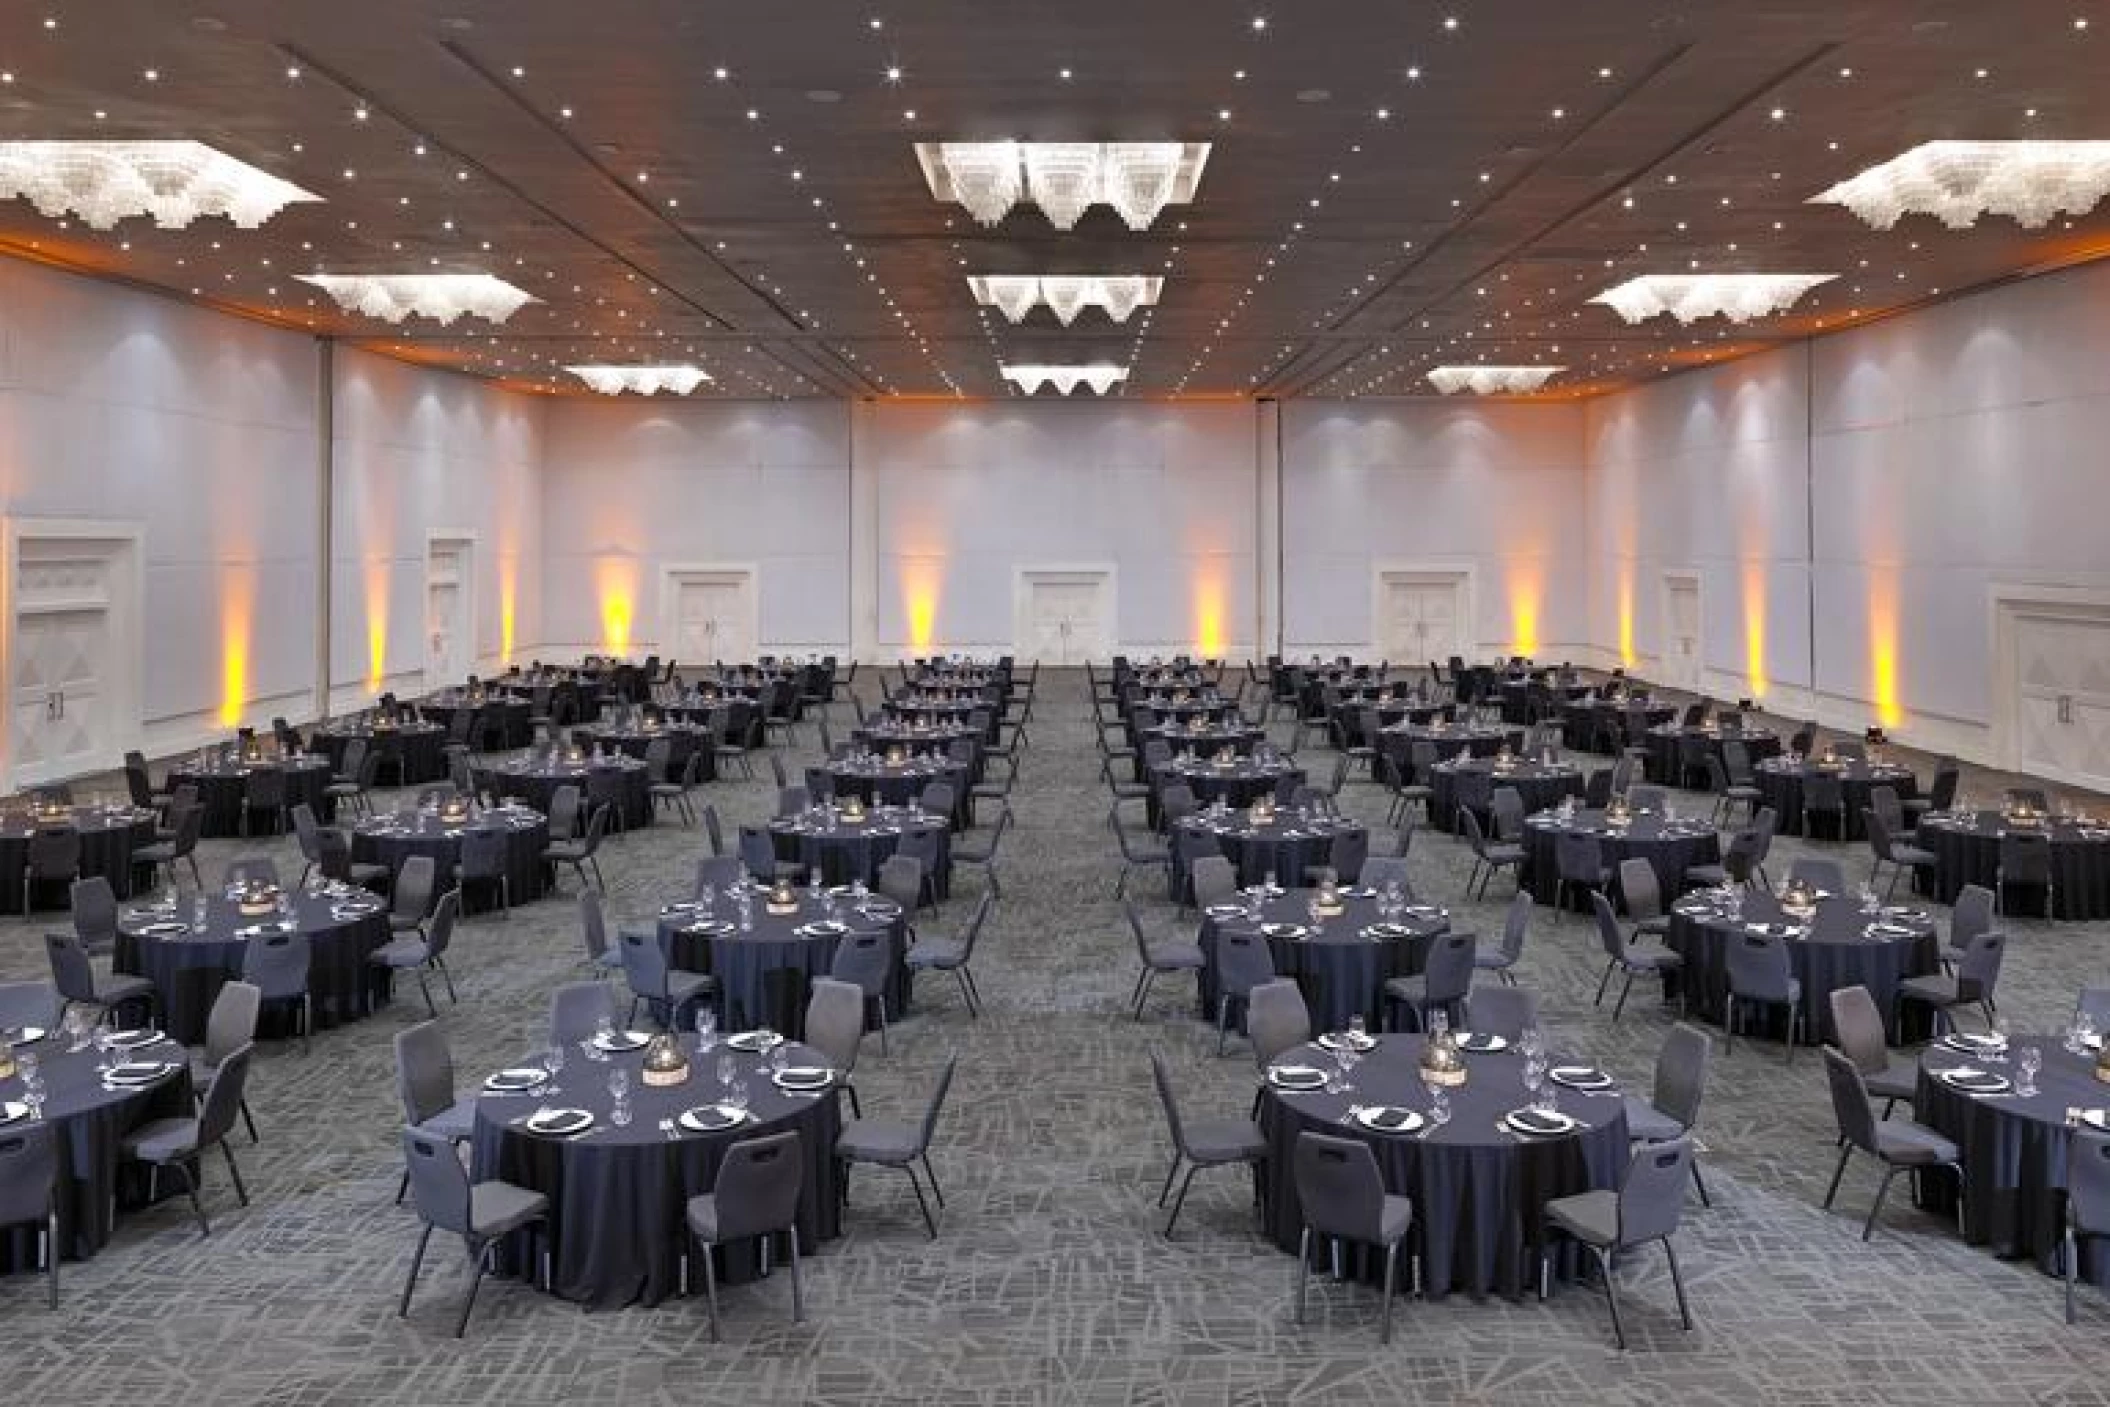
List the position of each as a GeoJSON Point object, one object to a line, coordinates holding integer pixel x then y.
{"type": "Point", "coordinates": [1439, 1106]}
{"type": "Point", "coordinates": [726, 1070]}
{"type": "Point", "coordinates": [1358, 1034]}
{"type": "Point", "coordinates": [2028, 1063]}
{"type": "Point", "coordinates": [706, 1030]}
{"type": "Point", "coordinates": [736, 1098]}
{"type": "Point", "coordinates": [553, 1061]}
{"type": "Point", "coordinates": [619, 1084]}
{"type": "Point", "coordinates": [707, 899]}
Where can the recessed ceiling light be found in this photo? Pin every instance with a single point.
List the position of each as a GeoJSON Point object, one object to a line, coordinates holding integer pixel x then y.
{"type": "Point", "coordinates": [1259, 22]}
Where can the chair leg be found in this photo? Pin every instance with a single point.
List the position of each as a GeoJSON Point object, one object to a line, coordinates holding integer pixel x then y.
{"type": "Point", "coordinates": [1832, 1192]}
{"type": "Point", "coordinates": [929, 1224]}
{"type": "Point", "coordinates": [1625, 989]}
{"type": "Point", "coordinates": [931, 1174]}
{"type": "Point", "coordinates": [241, 1193]}
{"type": "Point", "coordinates": [190, 1186]}
{"type": "Point", "coordinates": [1303, 1268]}
{"type": "Point", "coordinates": [798, 1294]}
{"type": "Point", "coordinates": [1384, 1332]}
{"type": "Point", "coordinates": [1700, 1183]}
{"type": "Point", "coordinates": [1677, 1283]}
{"type": "Point", "coordinates": [1181, 1200]}
{"type": "Point", "coordinates": [1868, 1228]}
{"type": "Point", "coordinates": [417, 1259]}
{"type": "Point", "coordinates": [249, 1122]}
{"type": "Point", "coordinates": [1611, 1296]}
{"type": "Point", "coordinates": [2069, 1258]}
{"type": "Point", "coordinates": [441, 964]}
{"type": "Point", "coordinates": [1170, 1173]}
{"type": "Point", "coordinates": [426, 988]}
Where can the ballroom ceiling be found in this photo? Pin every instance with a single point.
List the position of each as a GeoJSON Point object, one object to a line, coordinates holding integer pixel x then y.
{"type": "Point", "coordinates": [1391, 186]}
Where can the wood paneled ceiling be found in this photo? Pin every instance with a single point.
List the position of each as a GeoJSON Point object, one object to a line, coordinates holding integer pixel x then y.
{"type": "Point", "coordinates": [1392, 186]}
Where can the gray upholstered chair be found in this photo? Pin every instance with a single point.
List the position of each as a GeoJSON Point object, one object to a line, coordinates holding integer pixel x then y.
{"type": "Point", "coordinates": [955, 955]}
{"type": "Point", "coordinates": [755, 1194]}
{"type": "Point", "coordinates": [480, 1213]}
{"type": "Point", "coordinates": [1672, 1109]}
{"type": "Point", "coordinates": [1760, 975]}
{"type": "Point", "coordinates": [835, 1026]}
{"type": "Point", "coordinates": [1343, 1198]}
{"type": "Point", "coordinates": [865, 960]}
{"type": "Point", "coordinates": [1135, 854]}
{"type": "Point", "coordinates": [411, 899]}
{"type": "Point", "coordinates": [33, 1004]}
{"type": "Point", "coordinates": [425, 1087]}
{"type": "Point", "coordinates": [29, 1194]}
{"type": "Point", "coordinates": [1886, 849]}
{"type": "Point", "coordinates": [2087, 1204]}
{"type": "Point", "coordinates": [1446, 976]}
{"type": "Point", "coordinates": [229, 1026]}
{"type": "Point", "coordinates": [175, 1143]}
{"type": "Point", "coordinates": [1170, 955]}
{"type": "Point", "coordinates": [73, 974]}
{"type": "Point", "coordinates": [1490, 857]}
{"type": "Point", "coordinates": [1276, 1019]}
{"type": "Point", "coordinates": [900, 1144]}
{"type": "Point", "coordinates": [424, 952]}
{"type": "Point", "coordinates": [1578, 863]}
{"type": "Point", "coordinates": [1977, 973]}
{"type": "Point", "coordinates": [1819, 872]}
{"type": "Point", "coordinates": [1897, 1144]}
{"type": "Point", "coordinates": [95, 915]}
{"type": "Point", "coordinates": [1858, 1028]}
{"type": "Point", "coordinates": [277, 966]}
{"type": "Point", "coordinates": [1516, 925]}
{"type": "Point", "coordinates": [1505, 1011]}
{"type": "Point", "coordinates": [1216, 1143]}
{"type": "Point", "coordinates": [577, 1010]}
{"type": "Point", "coordinates": [1243, 961]}
{"type": "Point", "coordinates": [1214, 881]}
{"type": "Point", "coordinates": [1646, 1208]}
{"type": "Point", "coordinates": [1643, 898]}
{"type": "Point", "coordinates": [1619, 957]}
{"type": "Point", "coordinates": [665, 988]}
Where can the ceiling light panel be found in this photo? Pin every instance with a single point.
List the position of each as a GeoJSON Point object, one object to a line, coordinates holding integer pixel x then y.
{"type": "Point", "coordinates": [1031, 378]}
{"type": "Point", "coordinates": [1016, 295]}
{"type": "Point", "coordinates": [1492, 380]}
{"type": "Point", "coordinates": [641, 380]}
{"type": "Point", "coordinates": [1958, 182]}
{"type": "Point", "coordinates": [171, 182]}
{"type": "Point", "coordinates": [1138, 179]}
{"type": "Point", "coordinates": [1690, 297]}
{"type": "Point", "coordinates": [440, 297]}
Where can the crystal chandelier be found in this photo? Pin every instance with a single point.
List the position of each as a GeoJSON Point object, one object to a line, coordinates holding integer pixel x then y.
{"type": "Point", "coordinates": [441, 297]}
{"type": "Point", "coordinates": [643, 380]}
{"type": "Point", "coordinates": [1065, 379]}
{"type": "Point", "coordinates": [1067, 295]}
{"type": "Point", "coordinates": [173, 181]}
{"type": "Point", "coordinates": [1138, 179]}
{"type": "Point", "coordinates": [1956, 182]}
{"type": "Point", "coordinates": [1689, 297]}
{"type": "Point", "coordinates": [1492, 380]}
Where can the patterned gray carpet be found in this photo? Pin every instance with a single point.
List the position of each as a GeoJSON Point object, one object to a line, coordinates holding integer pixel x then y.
{"type": "Point", "coordinates": [1050, 1282]}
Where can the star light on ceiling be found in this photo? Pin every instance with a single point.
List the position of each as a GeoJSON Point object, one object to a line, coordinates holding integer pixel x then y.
{"type": "Point", "coordinates": [1957, 182]}
{"type": "Point", "coordinates": [1118, 295]}
{"type": "Point", "coordinates": [174, 182]}
{"type": "Point", "coordinates": [1138, 179]}
{"type": "Point", "coordinates": [441, 297]}
{"type": "Point", "coordinates": [1029, 378]}
{"type": "Point", "coordinates": [1690, 297]}
{"type": "Point", "coordinates": [1492, 380]}
{"type": "Point", "coordinates": [641, 380]}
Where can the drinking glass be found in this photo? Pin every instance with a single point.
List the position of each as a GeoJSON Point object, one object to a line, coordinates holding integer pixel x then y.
{"type": "Point", "coordinates": [553, 1060]}
{"type": "Point", "coordinates": [706, 1029]}
{"type": "Point", "coordinates": [1439, 1106]}
{"type": "Point", "coordinates": [1357, 1031]}
{"type": "Point", "coordinates": [726, 1070]}
{"type": "Point", "coordinates": [736, 1099]}
{"type": "Point", "coordinates": [2028, 1063]}
{"type": "Point", "coordinates": [620, 1114]}
{"type": "Point", "coordinates": [619, 1084]}
{"type": "Point", "coordinates": [707, 898]}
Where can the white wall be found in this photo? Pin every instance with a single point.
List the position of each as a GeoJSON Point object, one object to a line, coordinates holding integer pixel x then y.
{"type": "Point", "coordinates": [1494, 488]}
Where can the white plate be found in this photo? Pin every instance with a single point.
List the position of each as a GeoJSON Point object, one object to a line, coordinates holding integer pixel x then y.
{"type": "Point", "coordinates": [506, 1081]}
{"type": "Point", "coordinates": [13, 1110]}
{"type": "Point", "coordinates": [1968, 1081]}
{"type": "Point", "coordinates": [28, 1035]}
{"type": "Point", "coordinates": [1341, 1040]}
{"type": "Point", "coordinates": [143, 1072]}
{"type": "Point", "coordinates": [802, 1077]}
{"type": "Point", "coordinates": [2096, 1119]}
{"type": "Point", "coordinates": [711, 1118]}
{"type": "Point", "coordinates": [1386, 1118]}
{"type": "Point", "coordinates": [755, 1042]}
{"type": "Point", "coordinates": [617, 1042]}
{"type": "Point", "coordinates": [1296, 1077]}
{"type": "Point", "coordinates": [1567, 1122]}
{"type": "Point", "coordinates": [1579, 1077]}
{"type": "Point", "coordinates": [559, 1121]}
{"type": "Point", "coordinates": [1285, 930]}
{"type": "Point", "coordinates": [133, 1040]}
{"type": "Point", "coordinates": [1481, 1044]}
{"type": "Point", "coordinates": [826, 928]}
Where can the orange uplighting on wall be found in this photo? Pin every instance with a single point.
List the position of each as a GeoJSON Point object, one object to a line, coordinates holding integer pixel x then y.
{"type": "Point", "coordinates": [507, 573]}
{"type": "Point", "coordinates": [1209, 614]}
{"type": "Point", "coordinates": [618, 590]}
{"type": "Point", "coordinates": [236, 613]}
{"type": "Point", "coordinates": [920, 580]}
{"type": "Point", "coordinates": [1626, 614]}
{"type": "Point", "coordinates": [376, 624]}
{"type": "Point", "coordinates": [1755, 628]}
{"type": "Point", "coordinates": [1523, 611]}
{"type": "Point", "coordinates": [1883, 648]}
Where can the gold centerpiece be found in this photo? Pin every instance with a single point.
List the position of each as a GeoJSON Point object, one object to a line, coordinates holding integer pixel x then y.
{"type": "Point", "coordinates": [896, 755]}
{"type": "Point", "coordinates": [1262, 811]}
{"type": "Point", "coordinates": [1440, 1062]}
{"type": "Point", "coordinates": [853, 808]}
{"type": "Point", "coordinates": [1617, 812]}
{"type": "Point", "coordinates": [256, 900]}
{"type": "Point", "coordinates": [7, 1055]}
{"type": "Point", "coordinates": [455, 809]}
{"type": "Point", "coordinates": [665, 1064]}
{"type": "Point", "coordinates": [1798, 900]}
{"type": "Point", "coordinates": [1328, 900]}
{"type": "Point", "coordinates": [783, 899]}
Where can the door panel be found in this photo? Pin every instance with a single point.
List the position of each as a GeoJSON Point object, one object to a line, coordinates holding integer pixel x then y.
{"type": "Point", "coordinates": [2063, 698]}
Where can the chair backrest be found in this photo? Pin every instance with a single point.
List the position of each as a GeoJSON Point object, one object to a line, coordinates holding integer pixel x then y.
{"type": "Point", "coordinates": [1597, 789]}
{"type": "Point", "coordinates": [28, 1004]}
{"type": "Point", "coordinates": [593, 923]}
{"type": "Point", "coordinates": [1823, 791]}
{"type": "Point", "coordinates": [1681, 1074]}
{"type": "Point", "coordinates": [439, 1184]}
{"type": "Point", "coordinates": [1176, 803]}
{"type": "Point", "coordinates": [936, 1104]}
{"type": "Point", "coordinates": [1447, 970]}
{"type": "Point", "coordinates": [835, 1021]}
{"type": "Point", "coordinates": [564, 812]}
{"type": "Point", "coordinates": [1971, 916]}
{"type": "Point", "coordinates": [231, 1024]}
{"type": "Point", "coordinates": [307, 832]}
{"type": "Point", "coordinates": [1879, 835]}
{"type": "Point", "coordinates": [644, 964]}
{"type": "Point", "coordinates": [484, 852]}
{"type": "Point", "coordinates": [1380, 871]}
{"type": "Point", "coordinates": [1243, 962]}
{"type": "Point", "coordinates": [2093, 1003]}
{"type": "Point", "coordinates": [2087, 1182]}
{"type": "Point", "coordinates": [578, 1009]}
{"type": "Point", "coordinates": [95, 911]}
{"type": "Point", "coordinates": [261, 869]}
{"type": "Point", "coordinates": [1214, 880]}
{"type": "Point", "coordinates": [757, 851]}
{"type": "Point", "coordinates": [1579, 858]}
{"type": "Point", "coordinates": [29, 1175]}
{"type": "Point", "coordinates": [1608, 935]}
{"type": "Point", "coordinates": [439, 929]}
{"type": "Point", "coordinates": [1942, 795]}
{"type": "Point", "coordinates": [1646, 798]}
{"type": "Point", "coordinates": [1501, 1011]}
{"type": "Point", "coordinates": [277, 964]}
{"type": "Point", "coordinates": [1348, 854]}
{"type": "Point", "coordinates": [1978, 966]}
{"type": "Point", "coordinates": [1195, 845]}
{"type": "Point", "coordinates": [424, 1072]}
{"type": "Point", "coordinates": [1339, 1187]}
{"type": "Point", "coordinates": [414, 883]}
{"type": "Point", "coordinates": [265, 788]}
{"type": "Point", "coordinates": [865, 961]}
{"type": "Point", "coordinates": [1653, 1195]}
{"type": "Point", "coordinates": [1758, 967]}
{"type": "Point", "coordinates": [1507, 806]}
{"type": "Point", "coordinates": [721, 872]}
{"type": "Point", "coordinates": [71, 971]}
{"type": "Point", "coordinates": [901, 879]}
{"type": "Point", "coordinates": [1884, 802]}
{"type": "Point", "coordinates": [223, 1097]}
{"type": "Point", "coordinates": [2032, 797]}
{"type": "Point", "coordinates": [793, 800]}
{"type": "Point", "coordinates": [55, 854]}
{"type": "Point", "coordinates": [1276, 1019]}
{"type": "Point", "coordinates": [2025, 858]}
{"type": "Point", "coordinates": [1516, 924]}
{"type": "Point", "coordinates": [1638, 886]}
{"type": "Point", "coordinates": [1162, 1077]}
{"type": "Point", "coordinates": [1857, 1122]}
{"type": "Point", "coordinates": [713, 829]}
{"type": "Point", "coordinates": [1858, 1027]}
{"type": "Point", "coordinates": [938, 799]}
{"type": "Point", "coordinates": [1819, 873]}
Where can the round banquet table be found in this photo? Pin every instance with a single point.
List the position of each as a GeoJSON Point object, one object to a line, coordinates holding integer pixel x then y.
{"type": "Point", "coordinates": [91, 1120]}
{"type": "Point", "coordinates": [879, 734]}
{"type": "Point", "coordinates": [220, 785]}
{"type": "Point", "coordinates": [1202, 742]}
{"type": "Point", "coordinates": [843, 850]}
{"type": "Point", "coordinates": [412, 753]}
{"type": "Point", "coordinates": [188, 968]}
{"type": "Point", "coordinates": [586, 692]}
{"type": "Point", "coordinates": [764, 973]}
{"type": "Point", "coordinates": [743, 726]}
{"type": "Point", "coordinates": [393, 837]}
{"type": "Point", "coordinates": [618, 1227]}
{"type": "Point", "coordinates": [1966, 850]}
{"type": "Point", "coordinates": [1780, 783]}
{"type": "Point", "coordinates": [1842, 947]}
{"type": "Point", "coordinates": [1671, 846]}
{"type": "Point", "coordinates": [1599, 725]}
{"type": "Point", "coordinates": [1341, 962]}
{"type": "Point", "coordinates": [684, 740]}
{"type": "Point", "coordinates": [1277, 851]}
{"type": "Point", "coordinates": [1517, 695]}
{"type": "Point", "coordinates": [1179, 713]}
{"type": "Point", "coordinates": [537, 783]}
{"type": "Point", "coordinates": [1541, 785]}
{"type": "Point", "coordinates": [2014, 1151]}
{"type": "Point", "coordinates": [1662, 764]}
{"type": "Point", "coordinates": [878, 782]}
{"type": "Point", "coordinates": [1477, 1189]}
{"type": "Point", "coordinates": [1238, 785]}
{"type": "Point", "coordinates": [944, 713]}
{"type": "Point", "coordinates": [1449, 739]}
{"type": "Point", "coordinates": [108, 835]}
{"type": "Point", "coordinates": [497, 713]}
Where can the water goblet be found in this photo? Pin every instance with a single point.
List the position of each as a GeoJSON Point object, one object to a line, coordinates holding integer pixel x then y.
{"type": "Point", "coordinates": [2028, 1063]}
{"type": "Point", "coordinates": [1439, 1106]}
{"type": "Point", "coordinates": [736, 1098]}
{"type": "Point", "coordinates": [619, 1084]}
{"type": "Point", "coordinates": [620, 1114]}
{"type": "Point", "coordinates": [726, 1070]}
{"type": "Point", "coordinates": [553, 1060]}
{"type": "Point", "coordinates": [1358, 1031]}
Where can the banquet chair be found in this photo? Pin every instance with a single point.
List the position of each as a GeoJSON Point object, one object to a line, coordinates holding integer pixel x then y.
{"type": "Point", "coordinates": [679, 792]}
{"type": "Point", "coordinates": [53, 856]}
{"type": "Point", "coordinates": [606, 796]}
{"type": "Point", "coordinates": [412, 895]}
{"type": "Point", "coordinates": [1213, 880]}
{"type": "Point", "coordinates": [2087, 1205]}
{"type": "Point", "coordinates": [794, 800]}
{"type": "Point", "coordinates": [1171, 955]}
{"type": "Point", "coordinates": [1382, 871]}
{"type": "Point", "coordinates": [2032, 797]}
{"type": "Point", "coordinates": [1760, 975]}
{"type": "Point", "coordinates": [1850, 750]}
{"type": "Point", "coordinates": [924, 844]}
{"type": "Point", "coordinates": [1623, 773]}
{"type": "Point", "coordinates": [1884, 802]}
{"type": "Point", "coordinates": [277, 965]}
{"type": "Point", "coordinates": [1243, 961]}
{"type": "Point", "coordinates": [1643, 897]}
{"type": "Point", "coordinates": [1216, 1143]}
{"type": "Point", "coordinates": [1343, 1198]}
{"type": "Point", "coordinates": [866, 961]}
{"type": "Point", "coordinates": [1672, 1109]}
{"type": "Point", "coordinates": [481, 1213]}
{"type": "Point", "coordinates": [939, 799]}
{"type": "Point", "coordinates": [229, 1026]}
{"type": "Point", "coordinates": [601, 960]}
{"type": "Point", "coordinates": [1887, 850]}
{"type": "Point", "coordinates": [891, 1143]}
{"type": "Point", "coordinates": [1823, 794]}
{"type": "Point", "coordinates": [1728, 793]}
{"type": "Point", "coordinates": [1643, 796]}
{"type": "Point", "coordinates": [1277, 1021]}
{"type": "Point", "coordinates": [1507, 1012]}
{"type": "Point", "coordinates": [1489, 857]}
{"type": "Point", "coordinates": [1516, 924]}
{"type": "Point", "coordinates": [1971, 914]}
{"type": "Point", "coordinates": [582, 852]}
{"type": "Point", "coordinates": [95, 915]}
{"type": "Point", "coordinates": [28, 1004]}
{"type": "Point", "coordinates": [835, 1026]}
{"type": "Point", "coordinates": [253, 869]}
{"type": "Point", "coordinates": [724, 749]}
{"type": "Point", "coordinates": [564, 813]}
{"type": "Point", "coordinates": [485, 852]}
{"type": "Point", "coordinates": [1134, 855]}
{"type": "Point", "coordinates": [1578, 863]}
{"type": "Point", "coordinates": [1505, 806]}
{"type": "Point", "coordinates": [1646, 1208]}
{"type": "Point", "coordinates": [984, 855]}
{"type": "Point", "coordinates": [665, 989]}
{"type": "Point", "coordinates": [1345, 858]}
{"type": "Point", "coordinates": [901, 878]}
{"type": "Point", "coordinates": [1896, 1144]}
{"type": "Point", "coordinates": [1941, 793]}
{"type": "Point", "coordinates": [1619, 957]}
{"type": "Point", "coordinates": [264, 795]}
{"type": "Point", "coordinates": [2025, 860]}
{"type": "Point", "coordinates": [1597, 789]}
{"type": "Point", "coordinates": [425, 1087]}
{"type": "Point", "coordinates": [712, 830]}
{"type": "Point", "coordinates": [954, 955]}
{"type": "Point", "coordinates": [424, 949]}
{"type": "Point", "coordinates": [578, 1011]}
{"type": "Point", "coordinates": [73, 974]}
{"type": "Point", "coordinates": [29, 1194]}
{"type": "Point", "coordinates": [1819, 873]}
{"type": "Point", "coordinates": [176, 1143]}
{"type": "Point", "coordinates": [351, 788]}
{"type": "Point", "coordinates": [333, 849]}
{"type": "Point", "coordinates": [1175, 804]}
{"type": "Point", "coordinates": [1858, 1028]}
{"type": "Point", "coordinates": [1977, 973]}
{"type": "Point", "coordinates": [2092, 1002]}
{"type": "Point", "coordinates": [1445, 978]}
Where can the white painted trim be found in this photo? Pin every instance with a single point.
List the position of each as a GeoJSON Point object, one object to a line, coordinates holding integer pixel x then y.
{"type": "Point", "coordinates": [747, 576]}
{"type": "Point", "coordinates": [1464, 576]}
{"type": "Point", "coordinates": [1104, 576]}
{"type": "Point", "coordinates": [123, 700]}
{"type": "Point", "coordinates": [463, 542]}
{"type": "Point", "coordinates": [2008, 604]}
{"type": "Point", "coordinates": [1669, 581]}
